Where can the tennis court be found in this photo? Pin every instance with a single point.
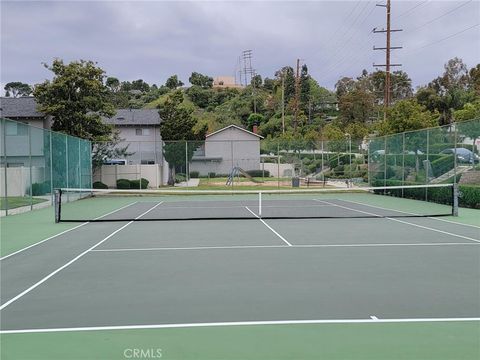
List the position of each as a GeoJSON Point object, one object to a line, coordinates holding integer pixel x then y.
{"type": "Point", "coordinates": [362, 261]}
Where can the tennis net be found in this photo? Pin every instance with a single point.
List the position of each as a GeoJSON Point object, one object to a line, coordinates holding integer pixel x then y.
{"type": "Point", "coordinates": [95, 205]}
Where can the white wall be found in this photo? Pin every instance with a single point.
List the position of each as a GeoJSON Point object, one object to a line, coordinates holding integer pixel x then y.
{"type": "Point", "coordinates": [109, 174]}
{"type": "Point", "coordinates": [279, 170]}
{"type": "Point", "coordinates": [230, 148]}
{"type": "Point", "coordinates": [18, 180]}
{"type": "Point", "coordinates": [144, 147]}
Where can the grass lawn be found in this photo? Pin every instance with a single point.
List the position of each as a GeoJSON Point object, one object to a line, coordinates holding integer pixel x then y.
{"type": "Point", "coordinates": [18, 201]}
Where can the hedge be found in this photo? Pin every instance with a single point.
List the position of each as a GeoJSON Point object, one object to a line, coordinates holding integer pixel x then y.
{"type": "Point", "coordinates": [139, 184]}
{"type": "Point", "coordinates": [123, 184]}
{"type": "Point", "coordinates": [99, 185]}
{"type": "Point", "coordinates": [442, 165]}
{"type": "Point", "coordinates": [194, 174]}
{"type": "Point", "coordinates": [470, 195]}
{"type": "Point", "coordinates": [258, 173]}
{"type": "Point", "coordinates": [39, 189]}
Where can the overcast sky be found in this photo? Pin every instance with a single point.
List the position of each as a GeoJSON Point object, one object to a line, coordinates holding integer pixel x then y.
{"type": "Point", "coordinates": [153, 40]}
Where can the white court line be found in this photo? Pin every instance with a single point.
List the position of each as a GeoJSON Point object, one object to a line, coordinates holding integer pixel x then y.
{"type": "Point", "coordinates": [280, 246]}
{"type": "Point", "coordinates": [268, 226]}
{"type": "Point", "coordinates": [242, 323]}
{"type": "Point", "coordinates": [72, 261]}
{"type": "Point", "coordinates": [404, 222]}
{"type": "Point", "coordinates": [63, 232]}
{"type": "Point", "coordinates": [405, 212]}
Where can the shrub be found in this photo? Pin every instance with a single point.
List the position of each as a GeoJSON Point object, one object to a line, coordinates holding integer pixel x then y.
{"type": "Point", "coordinates": [442, 165]}
{"type": "Point", "coordinates": [194, 174]}
{"type": "Point", "coordinates": [179, 177]}
{"type": "Point", "coordinates": [39, 189]}
{"type": "Point", "coordinates": [123, 184]}
{"type": "Point", "coordinates": [211, 174]}
{"type": "Point", "coordinates": [99, 185]}
{"type": "Point", "coordinates": [139, 184]}
{"type": "Point", "coordinates": [258, 173]}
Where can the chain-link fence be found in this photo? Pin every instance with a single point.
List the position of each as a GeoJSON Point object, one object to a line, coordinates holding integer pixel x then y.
{"type": "Point", "coordinates": [446, 154]}
{"type": "Point", "coordinates": [34, 161]}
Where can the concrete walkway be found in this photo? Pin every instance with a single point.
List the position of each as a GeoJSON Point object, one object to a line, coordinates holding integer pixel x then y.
{"type": "Point", "coordinates": [189, 183]}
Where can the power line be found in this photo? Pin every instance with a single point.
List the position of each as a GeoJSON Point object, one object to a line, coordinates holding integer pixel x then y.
{"type": "Point", "coordinates": [448, 37]}
{"type": "Point", "coordinates": [411, 9]}
{"type": "Point", "coordinates": [441, 16]}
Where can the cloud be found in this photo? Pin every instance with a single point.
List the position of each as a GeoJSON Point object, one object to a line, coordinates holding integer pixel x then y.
{"type": "Point", "coordinates": [153, 40]}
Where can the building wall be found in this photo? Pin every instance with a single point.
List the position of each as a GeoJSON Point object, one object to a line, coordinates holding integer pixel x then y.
{"type": "Point", "coordinates": [145, 148]}
{"type": "Point", "coordinates": [109, 174]}
{"type": "Point", "coordinates": [234, 148]}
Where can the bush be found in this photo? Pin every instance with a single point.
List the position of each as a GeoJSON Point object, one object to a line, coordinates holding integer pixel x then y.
{"type": "Point", "coordinates": [470, 195]}
{"type": "Point", "coordinates": [194, 174]}
{"type": "Point", "coordinates": [99, 185]}
{"type": "Point", "coordinates": [139, 184]}
{"type": "Point", "coordinates": [211, 174]}
{"type": "Point", "coordinates": [123, 184]}
{"type": "Point", "coordinates": [39, 189]}
{"type": "Point", "coordinates": [258, 173]}
{"type": "Point", "coordinates": [179, 177]}
{"type": "Point", "coordinates": [442, 165]}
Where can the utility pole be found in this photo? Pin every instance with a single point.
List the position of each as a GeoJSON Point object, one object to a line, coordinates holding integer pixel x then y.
{"type": "Point", "coordinates": [297, 93]}
{"type": "Point", "coordinates": [283, 102]}
{"type": "Point", "coordinates": [388, 64]}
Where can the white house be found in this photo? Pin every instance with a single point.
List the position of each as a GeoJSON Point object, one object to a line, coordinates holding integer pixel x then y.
{"type": "Point", "coordinates": [226, 148]}
{"type": "Point", "coordinates": [139, 129]}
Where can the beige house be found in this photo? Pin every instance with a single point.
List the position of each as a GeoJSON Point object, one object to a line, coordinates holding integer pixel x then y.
{"type": "Point", "coordinates": [225, 149]}
{"type": "Point", "coordinates": [225, 82]}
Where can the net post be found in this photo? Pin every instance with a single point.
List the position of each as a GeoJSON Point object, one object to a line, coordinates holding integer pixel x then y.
{"type": "Point", "coordinates": [455, 195]}
{"type": "Point", "coordinates": [260, 204]}
{"type": "Point", "coordinates": [57, 204]}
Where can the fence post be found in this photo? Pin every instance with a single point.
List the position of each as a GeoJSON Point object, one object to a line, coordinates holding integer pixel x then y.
{"type": "Point", "coordinates": [403, 162]}
{"type": "Point", "coordinates": [51, 165]}
{"type": "Point", "coordinates": [186, 161]}
{"type": "Point", "coordinates": [30, 164]}
{"type": "Point", "coordinates": [4, 125]}
{"type": "Point", "coordinates": [278, 164]}
{"type": "Point", "coordinates": [455, 153]}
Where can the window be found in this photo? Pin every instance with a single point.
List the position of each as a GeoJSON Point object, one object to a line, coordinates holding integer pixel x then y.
{"type": "Point", "coordinates": [16, 129]}
{"type": "Point", "coordinates": [142, 132]}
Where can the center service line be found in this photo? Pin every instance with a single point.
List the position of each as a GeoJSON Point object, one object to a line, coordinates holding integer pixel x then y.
{"type": "Point", "coordinates": [268, 226]}
{"type": "Point", "coordinates": [73, 260]}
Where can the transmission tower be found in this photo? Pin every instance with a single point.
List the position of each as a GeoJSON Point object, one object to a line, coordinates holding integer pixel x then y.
{"type": "Point", "coordinates": [388, 64]}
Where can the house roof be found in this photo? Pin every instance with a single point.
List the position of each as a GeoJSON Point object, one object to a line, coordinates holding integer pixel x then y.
{"type": "Point", "coordinates": [236, 127]}
{"type": "Point", "coordinates": [19, 107]}
{"type": "Point", "coordinates": [135, 117]}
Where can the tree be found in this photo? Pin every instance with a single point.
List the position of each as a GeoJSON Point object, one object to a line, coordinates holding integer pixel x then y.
{"type": "Point", "coordinates": [475, 79]}
{"type": "Point", "coordinates": [113, 84]}
{"type": "Point", "coordinates": [289, 80]}
{"type": "Point", "coordinates": [16, 89]}
{"type": "Point", "coordinates": [407, 115]}
{"type": "Point", "coordinates": [109, 150]}
{"type": "Point", "coordinates": [256, 81]}
{"type": "Point", "coordinates": [177, 127]}
{"type": "Point", "coordinates": [172, 82]}
{"type": "Point", "coordinates": [255, 119]}
{"type": "Point", "coordinates": [76, 98]}
{"type": "Point", "coordinates": [344, 85]}
{"type": "Point", "coordinates": [471, 111]}
{"type": "Point", "coordinates": [201, 80]}
{"type": "Point", "coordinates": [356, 106]}
{"type": "Point", "coordinates": [305, 99]}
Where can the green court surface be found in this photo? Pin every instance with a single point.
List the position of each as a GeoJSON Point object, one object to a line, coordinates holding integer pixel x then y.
{"type": "Point", "coordinates": [435, 341]}
{"type": "Point", "coordinates": [384, 287]}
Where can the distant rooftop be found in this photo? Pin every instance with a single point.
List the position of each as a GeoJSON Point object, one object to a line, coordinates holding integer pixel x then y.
{"type": "Point", "coordinates": [21, 107]}
{"type": "Point", "coordinates": [135, 117]}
